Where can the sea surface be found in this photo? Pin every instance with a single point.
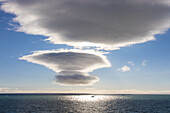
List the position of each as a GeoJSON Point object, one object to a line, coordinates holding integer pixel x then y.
{"type": "Point", "coordinates": [63, 103]}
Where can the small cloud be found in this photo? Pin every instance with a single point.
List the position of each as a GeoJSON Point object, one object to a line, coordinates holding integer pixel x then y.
{"type": "Point", "coordinates": [124, 68]}
{"type": "Point", "coordinates": [131, 63]}
{"type": "Point", "coordinates": [144, 62]}
{"type": "Point", "coordinates": [6, 89]}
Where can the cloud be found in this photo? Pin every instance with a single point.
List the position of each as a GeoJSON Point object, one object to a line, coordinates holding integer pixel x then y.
{"type": "Point", "coordinates": [144, 62]}
{"type": "Point", "coordinates": [6, 89]}
{"type": "Point", "coordinates": [106, 24]}
{"type": "Point", "coordinates": [69, 60]}
{"type": "Point", "coordinates": [124, 68]}
{"type": "Point", "coordinates": [131, 63]}
{"type": "Point", "coordinates": [76, 79]}
{"type": "Point", "coordinates": [72, 66]}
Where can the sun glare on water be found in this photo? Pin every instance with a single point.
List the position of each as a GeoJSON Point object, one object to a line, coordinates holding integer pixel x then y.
{"type": "Point", "coordinates": [89, 98]}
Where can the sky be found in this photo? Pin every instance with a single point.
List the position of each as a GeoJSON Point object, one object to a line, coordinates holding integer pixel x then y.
{"type": "Point", "coordinates": [92, 46]}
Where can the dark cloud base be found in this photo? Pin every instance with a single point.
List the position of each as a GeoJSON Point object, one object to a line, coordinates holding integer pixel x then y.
{"type": "Point", "coordinates": [76, 79]}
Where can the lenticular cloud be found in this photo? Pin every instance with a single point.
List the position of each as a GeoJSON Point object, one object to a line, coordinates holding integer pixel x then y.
{"type": "Point", "coordinates": [72, 66]}
{"type": "Point", "coordinates": [106, 24]}
{"type": "Point", "coordinates": [102, 24]}
{"type": "Point", "coordinates": [76, 79]}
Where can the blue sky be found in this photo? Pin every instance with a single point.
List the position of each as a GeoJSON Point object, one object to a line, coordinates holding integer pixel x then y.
{"type": "Point", "coordinates": [21, 76]}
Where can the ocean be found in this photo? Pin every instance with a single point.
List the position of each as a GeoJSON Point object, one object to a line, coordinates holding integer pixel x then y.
{"type": "Point", "coordinates": [79, 103]}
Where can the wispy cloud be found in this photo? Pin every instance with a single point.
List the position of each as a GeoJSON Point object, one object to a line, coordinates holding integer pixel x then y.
{"type": "Point", "coordinates": [131, 63]}
{"type": "Point", "coordinates": [144, 62]}
{"type": "Point", "coordinates": [6, 89]}
{"type": "Point", "coordinates": [72, 66]}
{"type": "Point", "coordinates": [124, 68]}
{"type": "Point", "coordinates": [107, 24]}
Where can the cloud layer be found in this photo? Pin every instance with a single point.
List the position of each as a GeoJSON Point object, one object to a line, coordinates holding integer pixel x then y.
{"type": "Point", "coordinates": [107, 24]}
{"type": "Point", "coordinates": [72, 66]}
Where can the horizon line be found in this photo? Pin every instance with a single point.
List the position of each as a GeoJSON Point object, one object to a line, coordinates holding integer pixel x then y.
{"type": "Point", "coordinates": [76, 94]}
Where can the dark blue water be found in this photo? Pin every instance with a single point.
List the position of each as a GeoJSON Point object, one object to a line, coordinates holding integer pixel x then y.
{"type": "Point", "coordinates": [84, 104]}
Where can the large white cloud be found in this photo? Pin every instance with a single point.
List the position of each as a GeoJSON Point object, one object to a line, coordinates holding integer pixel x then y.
{"type": "Point", "coordinates": [107, 24]}
{"type": "Point", "coordinates": [72, 66]}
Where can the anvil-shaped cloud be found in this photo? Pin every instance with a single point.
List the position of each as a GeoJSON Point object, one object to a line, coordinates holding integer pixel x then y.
{"type": "Point", "coordinates": [72, 66]}
{"type": "Point", "coordinates": [107, 24]}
